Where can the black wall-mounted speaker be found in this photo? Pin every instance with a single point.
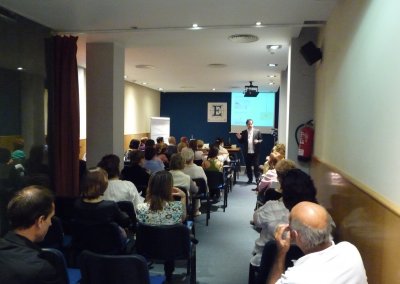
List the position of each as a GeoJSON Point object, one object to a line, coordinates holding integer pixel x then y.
{"type": "Point", "coordinates": [311, 53]}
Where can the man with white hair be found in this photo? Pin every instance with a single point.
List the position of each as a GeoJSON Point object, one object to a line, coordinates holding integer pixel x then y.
{"type": "Point", "coordinates": [310, 226]}
{"type": "Point", "coordinates": [194, 171]}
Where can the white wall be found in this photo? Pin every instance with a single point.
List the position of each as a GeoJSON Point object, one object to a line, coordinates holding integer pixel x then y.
{"type": "Point", "coordinates": [141, 104]}
{"type": "Point", "coordinates": [357, 95]}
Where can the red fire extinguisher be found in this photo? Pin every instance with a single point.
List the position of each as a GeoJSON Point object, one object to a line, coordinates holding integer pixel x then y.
{"type": "Point", "coordinates": [305, 141]}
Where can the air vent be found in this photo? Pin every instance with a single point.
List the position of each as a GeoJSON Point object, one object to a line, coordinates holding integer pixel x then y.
{"type": "Point", "coordinates": [216, 65]}
{"type": "Point", "coordinates": [243, 38]}
{"type": "Point", "coordinates": [144, 66]}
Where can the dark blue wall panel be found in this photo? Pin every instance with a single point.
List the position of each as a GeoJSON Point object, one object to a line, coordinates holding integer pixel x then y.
{"type": "Point", "coordinates": [188, 114]}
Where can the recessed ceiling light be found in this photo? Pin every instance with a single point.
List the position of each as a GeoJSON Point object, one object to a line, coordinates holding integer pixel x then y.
{"type": "Point", "coordinates": [195, 26]}
{"type": "Point", "coordinates": [271, 83]}
{"type": "Point", "coordinates": [144, 83]}
{"type": "Point", "coordinates": [272, 65]}
{"type": "Point", "coordinates": [213, 89]}
{"type": "Point", "coordinates": [160, 89]}
{"type": "Point", "coordinates": [271, 76]}
{"type": "Point", "coordinates": [274, 47]}
{"type": "Point", "coordinates": [243, 38]}
{"type": "Point", "coordinates": [20, 68]}
{"type": "Point", "coordinates": [125, 77]}
{"type": "Point", "coordinates": [258, 24]}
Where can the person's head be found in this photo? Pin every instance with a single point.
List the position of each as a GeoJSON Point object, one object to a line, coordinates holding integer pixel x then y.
{"type": "Point", "coordinates": [161, 148]}
{"type": "Point", "coordinates": [193, 144]}
{"type": "Point", "coordinates": [172, 140]}
{"type": "Point", "coordinates": [274, 158]}
{"type": "Point", "coordinates": [18, 144]}
{"type": "Point", "coordinates": [150, 143]}
{"type": "Point", "coordinates": [200, 144]}
{"type": "Point", "coordinates": [297, 186]}
{"type": "Point", "coordinates": [160, 140]}
{"type": "Point", "coordinates": [311, 226]}
{"type": "Point", "coordinates": [134, 144]}
{"type": "Point", "coordinates": [282, 167]}
{"type": "Point", "coordinates": [31, 208]}
{"type": "Point", "coordinates": [177, 162]}
{"type": "Point", "coordinates": [94, 183]}
{"type": "Point", "coordinates": [143, 140]}
{"type": "Point", "coordinates": [213, 152]}
{"type": "Point", "coordinates": [150, 153]}
{"type": "Point", "coordinates": [184, 139]}
{"type": "Point", "coordinates": [136, 158]}
{"type": "Point", "coordinates": [159, 189]}
{"type": "Point", "coordinates": [5, 156]}
{"type": "Point", "coordinates": [249, 123]}
{"type": "Point", "coordinates": [280, 148]}
{"type": "Point", "coordinates": [110, 163]}
{"type": "Point", "coordinates": [187, 155]}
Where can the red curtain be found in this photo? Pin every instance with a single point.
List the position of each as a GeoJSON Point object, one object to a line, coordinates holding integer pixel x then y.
{"type": "Point", "coordinates": [63, 114]}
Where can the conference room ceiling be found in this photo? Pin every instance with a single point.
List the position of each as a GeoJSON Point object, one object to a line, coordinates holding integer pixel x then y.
{"type": "Point", "coordinates": [164, 51]}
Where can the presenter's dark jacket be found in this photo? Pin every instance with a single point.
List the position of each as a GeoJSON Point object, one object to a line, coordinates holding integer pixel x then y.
{"type": "Point", "coordinates": [244, 140]}
{"type": "Point", "coordinates": [21, 263]}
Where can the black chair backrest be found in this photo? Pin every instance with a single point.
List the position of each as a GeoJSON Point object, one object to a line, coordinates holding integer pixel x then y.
{"type": "Point", "coordinates": [215, 179]}
{"type": "Point", "coordinates": [127, 207]}
{"type": "Point", "coordinates": [198, 162]}
{"type": "Point", "coordinates": [118, 269]}
{"type": "Point", "coordinates": [56, 258]}
{"type": "Point", "coordinates": [201, 184]}
{"type": "Point", "coordinates": [163, 242]}
{"type": "Point", "coordinates": [103, 238]}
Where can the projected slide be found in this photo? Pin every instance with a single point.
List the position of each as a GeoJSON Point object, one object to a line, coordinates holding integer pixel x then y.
{"type": "Point", "coordinates": [261, 109]}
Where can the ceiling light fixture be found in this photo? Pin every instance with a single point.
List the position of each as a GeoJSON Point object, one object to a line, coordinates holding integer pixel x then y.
{"type": "Point", "coordinates": [243, 38]}
{"type": "Point", "coordinates": [160, 89]}
{"type": "Point", "coordinates": [258, 24]}
{"type": "Point", "coordinates": [271, 76]}
{"type": "Point", "coordinates": [274, 47]}
{"type": "Point", "coordinates": [144, 83]}
{"type": "Point", "coordinates": [20, 68]}
{"type": "Point", "coordinates": [272, 65]}
{"type": "Point", "coordinates": [271, 83]}
{"type": "Point", "coordinates": [213, 89]}
{"type": "Point", "coordinates": [250, 90]}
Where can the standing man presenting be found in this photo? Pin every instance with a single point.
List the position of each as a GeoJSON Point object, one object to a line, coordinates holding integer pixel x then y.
{"type": "Point", "coordinates": [251, 140]}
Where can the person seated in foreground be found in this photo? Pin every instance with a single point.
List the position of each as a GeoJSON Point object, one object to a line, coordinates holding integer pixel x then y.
{"type": "Point", "coordinates": [161, 209]}
{"type": "Point", "coordinates": [296, 186]}
{"type": "Point", "coordinates": [92, 209]}
{"type": "Point", "coordinates": [21, 262]}
{"type": "Point", "coordinates": [118, 190]}
{"type": "Point", "coordinates": [135, 172]}
{"type": "Point", "coordinates": [310, 227]}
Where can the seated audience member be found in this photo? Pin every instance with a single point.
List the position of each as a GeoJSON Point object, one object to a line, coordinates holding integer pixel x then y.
{"type": "Point", "coordinates": [142, 144]}
{"type": "Point", "coordinates": [193, 145]}
{"type": "Point", "coordinates": [18, 155]}
{"type": "Point", "coordinates": [223, 154]}
{"type": "Point", "coordinates": [118, 190]}
{"type": "Point", "coordinates": [296, 186]}
{"type": "Point", "coordinates": [150, 143]}
{"type": "Point", "coordinates": [161, 209]}
{"type": "Point", "coordinates": [310, 227]}
{"type": "Point", "coordinates": [194, 171]}
{"type": "Point", "coordinates": [183, 143]}
{"type": "Point", "coordinates": [9, 176]}
{"type": "Point", "coordinates": [133, 146]}
{"type": "Point", "coordinates": [160, 140]}
{"type": "Point", "coordinates": [212, 163]}
{"type": "Point", "coordinates": [161, 153]}
{"type": "Point", "coordinates": [92, 209]}
{"type": "Point", "coordinates": [135, 172]}
{"type": "Point", "coordinates": [171, 148]}
{"type": "Point", "coordinates": [269, 164]}
{"type": "Point", "coordinates": [181, 179]}
{"type": "Point", "coordinates": [199, 154]}
{"type": "Point", "coordinates": [152, 163]}
{"type": "Point", "coordinates": [29, 212]}
{"type": "Point", "coordinates": [269, 181]}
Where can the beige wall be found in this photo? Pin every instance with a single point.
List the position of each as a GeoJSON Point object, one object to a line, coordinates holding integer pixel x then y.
{"type": "Point", "coordinates": [357, 96]}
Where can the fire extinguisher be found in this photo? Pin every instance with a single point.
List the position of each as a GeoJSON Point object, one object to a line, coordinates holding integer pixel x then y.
{"type": "Point", "coordinates": [306, 142]}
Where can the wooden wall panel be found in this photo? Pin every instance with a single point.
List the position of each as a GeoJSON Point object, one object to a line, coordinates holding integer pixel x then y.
{"type": "Point", "coordinates": [367, 222]}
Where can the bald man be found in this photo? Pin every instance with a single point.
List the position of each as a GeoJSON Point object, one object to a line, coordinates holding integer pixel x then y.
{"type": "Point", "coordinates": [324, 261]}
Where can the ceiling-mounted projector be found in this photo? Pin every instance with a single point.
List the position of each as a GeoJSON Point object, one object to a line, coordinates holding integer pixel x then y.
{"type": "Point", "coordinates": [250, 90]}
